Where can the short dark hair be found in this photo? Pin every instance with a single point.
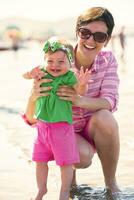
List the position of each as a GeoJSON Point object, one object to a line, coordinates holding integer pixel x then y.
{"type": "Point", "coordinates": [96, 14]}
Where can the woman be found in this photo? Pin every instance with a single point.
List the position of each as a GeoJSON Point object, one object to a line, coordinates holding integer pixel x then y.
{"type": "Point", "coordinates": [94, 124]}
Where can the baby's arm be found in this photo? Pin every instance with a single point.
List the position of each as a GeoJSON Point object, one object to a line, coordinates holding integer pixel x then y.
{"type": "Point", "coordinates": [35, 73]}
{"type": "Point", "coordinates": [83, 79]}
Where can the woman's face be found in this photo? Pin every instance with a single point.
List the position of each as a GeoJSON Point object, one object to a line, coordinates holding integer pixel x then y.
{"type": "Point", "coordinates": [90, 46]}
{"type": "Point", "coordinates": [57, 63]}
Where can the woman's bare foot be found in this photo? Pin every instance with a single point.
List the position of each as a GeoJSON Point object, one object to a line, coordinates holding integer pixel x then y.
{"type": "Point", "coordinates": [74, 183]}
{"type": "Point", "coordinates": [112, 185]}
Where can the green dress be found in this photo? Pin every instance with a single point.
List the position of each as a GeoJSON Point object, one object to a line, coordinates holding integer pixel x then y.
{"type": "Point", "coordinates": [51, 108]}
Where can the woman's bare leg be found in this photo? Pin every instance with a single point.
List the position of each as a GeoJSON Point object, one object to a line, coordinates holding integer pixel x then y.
{"type": "Point", "coordinates": [86, 154]}
{"type": "Point", "coordinates": [41, 178]}
{"type": "Point", "coordinates": [66, 180]}
{"type": "Point", "coordinates": [104, 131]}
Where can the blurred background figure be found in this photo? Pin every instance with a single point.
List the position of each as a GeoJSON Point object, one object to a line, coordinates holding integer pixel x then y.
{"type": "Point", "coordinates": [122, 40]}
{"type": "Point", "coordinates": [14, 34]}
{"type": "Point", "coordinates": [113, 43]}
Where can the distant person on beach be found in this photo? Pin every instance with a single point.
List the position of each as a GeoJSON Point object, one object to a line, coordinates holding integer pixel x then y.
{"type": "Point", "coordinates": [94, 124]}
{"type": "Point", "coordinates": [112, 41]}
{"type": "Point", "coordinates": [122, 38]}
{"type": "Point", "coordinates": [15, 45]}
{"type": "Point", "coordinates": [56, 138]}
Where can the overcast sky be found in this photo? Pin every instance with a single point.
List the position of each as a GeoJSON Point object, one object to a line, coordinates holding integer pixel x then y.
{"type": "Point", "coordinates": [57, 9]}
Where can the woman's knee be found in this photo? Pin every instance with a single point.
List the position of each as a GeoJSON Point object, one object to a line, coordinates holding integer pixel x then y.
{"type": "Point", "coordinates": [83, 165]}
{"type": "Point", "coordinates": [86, 153]}
{"type": "Point", "coordinates": [103, 121]}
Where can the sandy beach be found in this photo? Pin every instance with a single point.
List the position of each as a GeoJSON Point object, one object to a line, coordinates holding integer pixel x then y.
{"type": "Point", "coordinates": [17, 172]}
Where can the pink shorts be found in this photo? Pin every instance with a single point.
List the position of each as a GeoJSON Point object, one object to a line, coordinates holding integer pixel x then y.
{"type": "Point", "coordinates": [55, 141]}
{"type": "Point", "coordinates": [81, 127]}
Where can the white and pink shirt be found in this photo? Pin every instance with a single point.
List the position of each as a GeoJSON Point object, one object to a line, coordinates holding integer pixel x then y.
{"type": "Point", "coordinates": [105, 83]}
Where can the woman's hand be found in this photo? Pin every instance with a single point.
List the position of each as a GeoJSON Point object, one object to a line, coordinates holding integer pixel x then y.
{"type": "Point", "coordinates": [67, 93]}
{"type": "Point", "coordinates": [38, 91]}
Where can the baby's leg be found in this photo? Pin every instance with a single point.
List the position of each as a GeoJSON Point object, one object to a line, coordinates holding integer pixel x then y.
{"type": "Point", "coordinates": [66, 180]}
{"type": "Point", "coordinates": [41, 178]}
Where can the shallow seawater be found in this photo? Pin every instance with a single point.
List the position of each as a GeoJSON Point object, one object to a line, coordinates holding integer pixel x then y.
{"type": "Point", "coordinates": [85, 192]}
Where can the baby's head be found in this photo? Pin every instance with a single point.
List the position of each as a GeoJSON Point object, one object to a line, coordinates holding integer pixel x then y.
{"type": "Point", "coordinates": [58, 55]}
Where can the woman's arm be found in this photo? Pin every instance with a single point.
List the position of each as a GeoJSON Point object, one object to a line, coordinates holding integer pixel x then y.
{"type": "Point", "coordinates": [92, 104]}
{"type": "Point", "coordinates": [86, 102]}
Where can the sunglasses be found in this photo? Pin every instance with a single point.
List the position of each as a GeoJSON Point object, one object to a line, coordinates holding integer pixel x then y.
{"type": "Point", "coordinates": [100, 37]}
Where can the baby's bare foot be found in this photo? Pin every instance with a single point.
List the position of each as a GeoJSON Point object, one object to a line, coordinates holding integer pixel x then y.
{"type": "Point", "coordinates": [40, 195]}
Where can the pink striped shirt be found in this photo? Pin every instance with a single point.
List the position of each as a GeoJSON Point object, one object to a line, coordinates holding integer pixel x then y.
{"type": "Point", "coordinates": [105, 83]}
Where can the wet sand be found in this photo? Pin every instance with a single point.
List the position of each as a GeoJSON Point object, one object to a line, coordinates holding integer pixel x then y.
{"type": "Point", "coordinates": [17, 172]}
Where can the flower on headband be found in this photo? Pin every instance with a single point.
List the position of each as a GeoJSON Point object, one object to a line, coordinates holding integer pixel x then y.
{"type": "Point", "coordinates": [55, 45]}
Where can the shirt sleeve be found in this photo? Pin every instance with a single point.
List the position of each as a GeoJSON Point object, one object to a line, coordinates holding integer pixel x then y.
{"type": "Point", "coordinates": [110, 83]}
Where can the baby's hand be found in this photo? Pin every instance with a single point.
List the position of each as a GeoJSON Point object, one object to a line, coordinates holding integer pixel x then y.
{"type": "Point", "coordinates": [35, 73]}
{"type": "Point", "coordinates": [84, 77]}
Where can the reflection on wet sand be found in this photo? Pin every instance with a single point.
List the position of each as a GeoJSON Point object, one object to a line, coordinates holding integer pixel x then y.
{"type": "Point", "coordinates": [85, 192]}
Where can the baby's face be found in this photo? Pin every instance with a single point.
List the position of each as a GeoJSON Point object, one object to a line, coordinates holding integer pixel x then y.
{"type": "Point", "coordinates": [57, 63]}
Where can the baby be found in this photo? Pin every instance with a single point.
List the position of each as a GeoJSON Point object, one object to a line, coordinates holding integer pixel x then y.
{"type": "Point", "coordinates": [55, 133]}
